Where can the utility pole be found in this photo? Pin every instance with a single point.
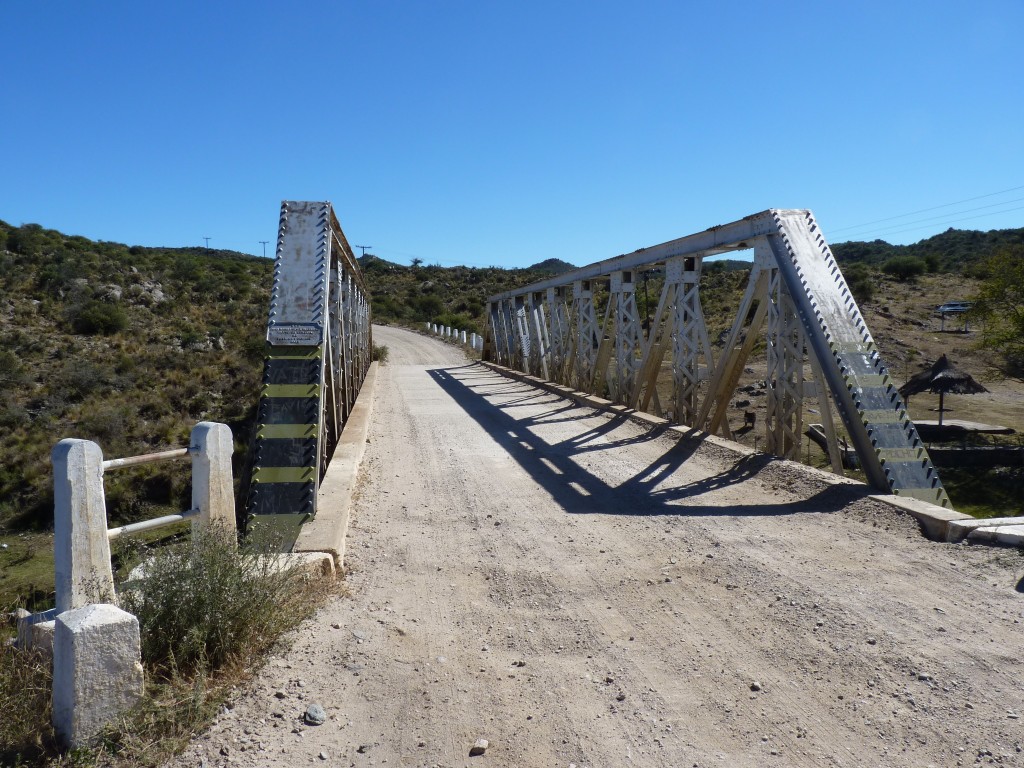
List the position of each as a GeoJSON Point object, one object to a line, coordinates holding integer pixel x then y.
{"type": "Point", "coordinates": [364, 248]}
{"type": "Point", "coordinates": [207, 242]}
{"type": "Point", "coordinates": [264, 243]}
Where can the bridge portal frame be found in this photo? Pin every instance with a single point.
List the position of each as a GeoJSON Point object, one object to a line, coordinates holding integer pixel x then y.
{"type": "Point", "coordinates": [319, 349]}
{"type": "Point", "coordinates": [796, 294]}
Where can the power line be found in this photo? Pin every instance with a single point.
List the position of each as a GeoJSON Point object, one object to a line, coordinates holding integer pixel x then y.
{"type": "Point", "coordinates": [264, 243]}
{"type": "Point", "coordinates": [925, 210]}
{"type": "Point", "coordinates": [953, 221]}
{"type": "Point", "coordinates": [943, 217]}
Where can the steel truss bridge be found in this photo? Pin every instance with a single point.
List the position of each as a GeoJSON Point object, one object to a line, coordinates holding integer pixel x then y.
{"type": "Point", "coordinates": [583, 329]}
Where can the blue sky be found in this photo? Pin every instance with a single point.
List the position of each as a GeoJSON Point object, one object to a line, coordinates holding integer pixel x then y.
{"type": "Point", "coordinates": [504, 133]}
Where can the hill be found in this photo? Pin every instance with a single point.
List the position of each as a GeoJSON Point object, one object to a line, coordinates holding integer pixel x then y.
{"type": "Point", "coordinates": [127, 346]}
{"type": "Point", "coordinates": [552, 267]}
{"type": "Point", "coordinates": [130, 346]}
{"type": "Point", "coordinates": [955, 250]}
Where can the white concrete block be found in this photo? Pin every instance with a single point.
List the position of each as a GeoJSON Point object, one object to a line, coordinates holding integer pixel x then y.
{"type": "Point", "coordinates": [1011, 535]}
{"type": "Point", "coordinates": [462, 337]}
{"type": "Point", "coordinates": [97, 670]}
{"type": "Point", "coordinates": [42, 637]}
{"type": "Point", "coordinates": [35, 631]}
{"type": "Point", "coordinates": [962, 526]}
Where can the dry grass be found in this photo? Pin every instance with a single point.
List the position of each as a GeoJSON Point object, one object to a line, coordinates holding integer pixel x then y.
{"type": "Point", "coordinates": [207, 615]}
{"type": "Point", "coordinates": [26, 737]}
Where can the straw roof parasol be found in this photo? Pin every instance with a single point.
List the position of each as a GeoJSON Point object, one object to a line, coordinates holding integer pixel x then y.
{"type": "Point", "coordinates": [941, 378]}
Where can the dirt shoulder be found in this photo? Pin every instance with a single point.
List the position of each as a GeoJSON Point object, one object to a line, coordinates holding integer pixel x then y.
{"type": "Point", "coordinates": [579, 591]}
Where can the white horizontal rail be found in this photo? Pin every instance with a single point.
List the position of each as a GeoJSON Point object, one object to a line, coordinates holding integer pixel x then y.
{"type": "Point", "coordinates": [83, 573]}
{"type": "Point", "coordinates": [147, 525]}
{"type": "Point", "coordinates": [148, 458]}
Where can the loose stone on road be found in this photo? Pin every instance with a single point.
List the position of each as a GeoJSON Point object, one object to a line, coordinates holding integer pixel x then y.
{"type": "Point", "coordinates": [576, 590]}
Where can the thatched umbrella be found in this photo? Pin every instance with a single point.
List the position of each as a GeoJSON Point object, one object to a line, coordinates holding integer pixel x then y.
{"type": "Point", "coordinates": [942, 378]}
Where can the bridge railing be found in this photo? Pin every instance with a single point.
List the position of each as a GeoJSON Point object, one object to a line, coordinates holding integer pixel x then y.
{"type": "Point", "coordinates": [584, 329]}
{"type": "Point", "coordinates": [470, 339]}
{"type": "Point", "coordinates": [82, 566]}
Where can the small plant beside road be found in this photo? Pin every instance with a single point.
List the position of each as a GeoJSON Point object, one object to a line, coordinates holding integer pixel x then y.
{"type": "Point", "coordinates": [207, 614]}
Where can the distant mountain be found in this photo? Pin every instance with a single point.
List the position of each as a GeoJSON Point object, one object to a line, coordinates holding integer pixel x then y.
{"type": "Point", "coordinates": [552, 267]}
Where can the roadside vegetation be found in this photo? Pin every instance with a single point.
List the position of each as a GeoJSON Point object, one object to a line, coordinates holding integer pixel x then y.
{"type": "Point", "coordinates": [206, 612]}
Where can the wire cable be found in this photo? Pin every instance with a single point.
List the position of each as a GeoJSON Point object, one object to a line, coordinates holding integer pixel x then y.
{"type": "Point", "coordinates": [925, 210]}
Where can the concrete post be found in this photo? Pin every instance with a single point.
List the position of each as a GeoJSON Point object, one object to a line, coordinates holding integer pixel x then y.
{"type": "Point", "coordinates": [97, 670]}
{"type": "Point", "coordinates": [212, 487]}
{"type": "Point", "coordinates": [428, 327]}
{"type": "Point", "coordinates": [462, 337]}
{"type": "Point", "coordinates": [80, 547]}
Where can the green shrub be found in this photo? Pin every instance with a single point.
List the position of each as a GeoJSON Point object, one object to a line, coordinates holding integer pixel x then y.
{"type": "Point", "coordinates": [861, 281]}
{"type": "Point", "coordinates": [202, 604]}
{"type": "Point", "coordinates": [98, 317]}
{"type": "Point", "coordinates": [904, 267]}
{"type": "Point", "coordinates": [380, 353]}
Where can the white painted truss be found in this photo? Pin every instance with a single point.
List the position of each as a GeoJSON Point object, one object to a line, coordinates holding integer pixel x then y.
{"type": "Point", "coordinates": [796, 301]}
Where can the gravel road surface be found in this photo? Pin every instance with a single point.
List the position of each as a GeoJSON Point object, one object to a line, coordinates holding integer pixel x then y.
{"type": "Point", "coordinates": [579, 591]}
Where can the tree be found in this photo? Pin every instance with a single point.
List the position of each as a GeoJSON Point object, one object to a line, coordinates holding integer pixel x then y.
{"type": "Point", "coordinates": [861, 281]}
{"type": "Point", "coordinates": [99, 317]}
{"type": "Point", "coordinates": [1000, 304]}
{"type": "Point", "coordinates": [904, 267]}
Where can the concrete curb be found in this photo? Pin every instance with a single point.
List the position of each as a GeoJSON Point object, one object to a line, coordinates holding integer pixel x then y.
{"type": "Point", "coordinates": [938, 523]}
{"type": "Point", "coordinates": [326, 532]}
{"type": "Point", "coordinates": [997, 530]}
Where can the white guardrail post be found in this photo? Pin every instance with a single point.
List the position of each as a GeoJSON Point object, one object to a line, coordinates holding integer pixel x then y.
{"type": "Point", "coordinates": [81, 549]}
{"type": "Point", "coordinates": [213, 493]}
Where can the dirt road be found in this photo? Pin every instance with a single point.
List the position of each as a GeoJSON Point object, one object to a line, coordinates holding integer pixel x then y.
{"type": "Point", "coordinates": [578, 591]}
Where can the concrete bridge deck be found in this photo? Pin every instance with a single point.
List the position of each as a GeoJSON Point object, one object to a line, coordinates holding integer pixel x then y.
{"type": "Point", "coordinates": [578, 590]}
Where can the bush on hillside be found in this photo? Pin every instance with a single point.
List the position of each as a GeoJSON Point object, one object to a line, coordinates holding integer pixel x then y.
{"type": "Point", "coordinates": [860, 280]}
{"type": "Point", "coordinates": [904, 267]}
{"type": "Point", "coordinates": [98, 317]}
